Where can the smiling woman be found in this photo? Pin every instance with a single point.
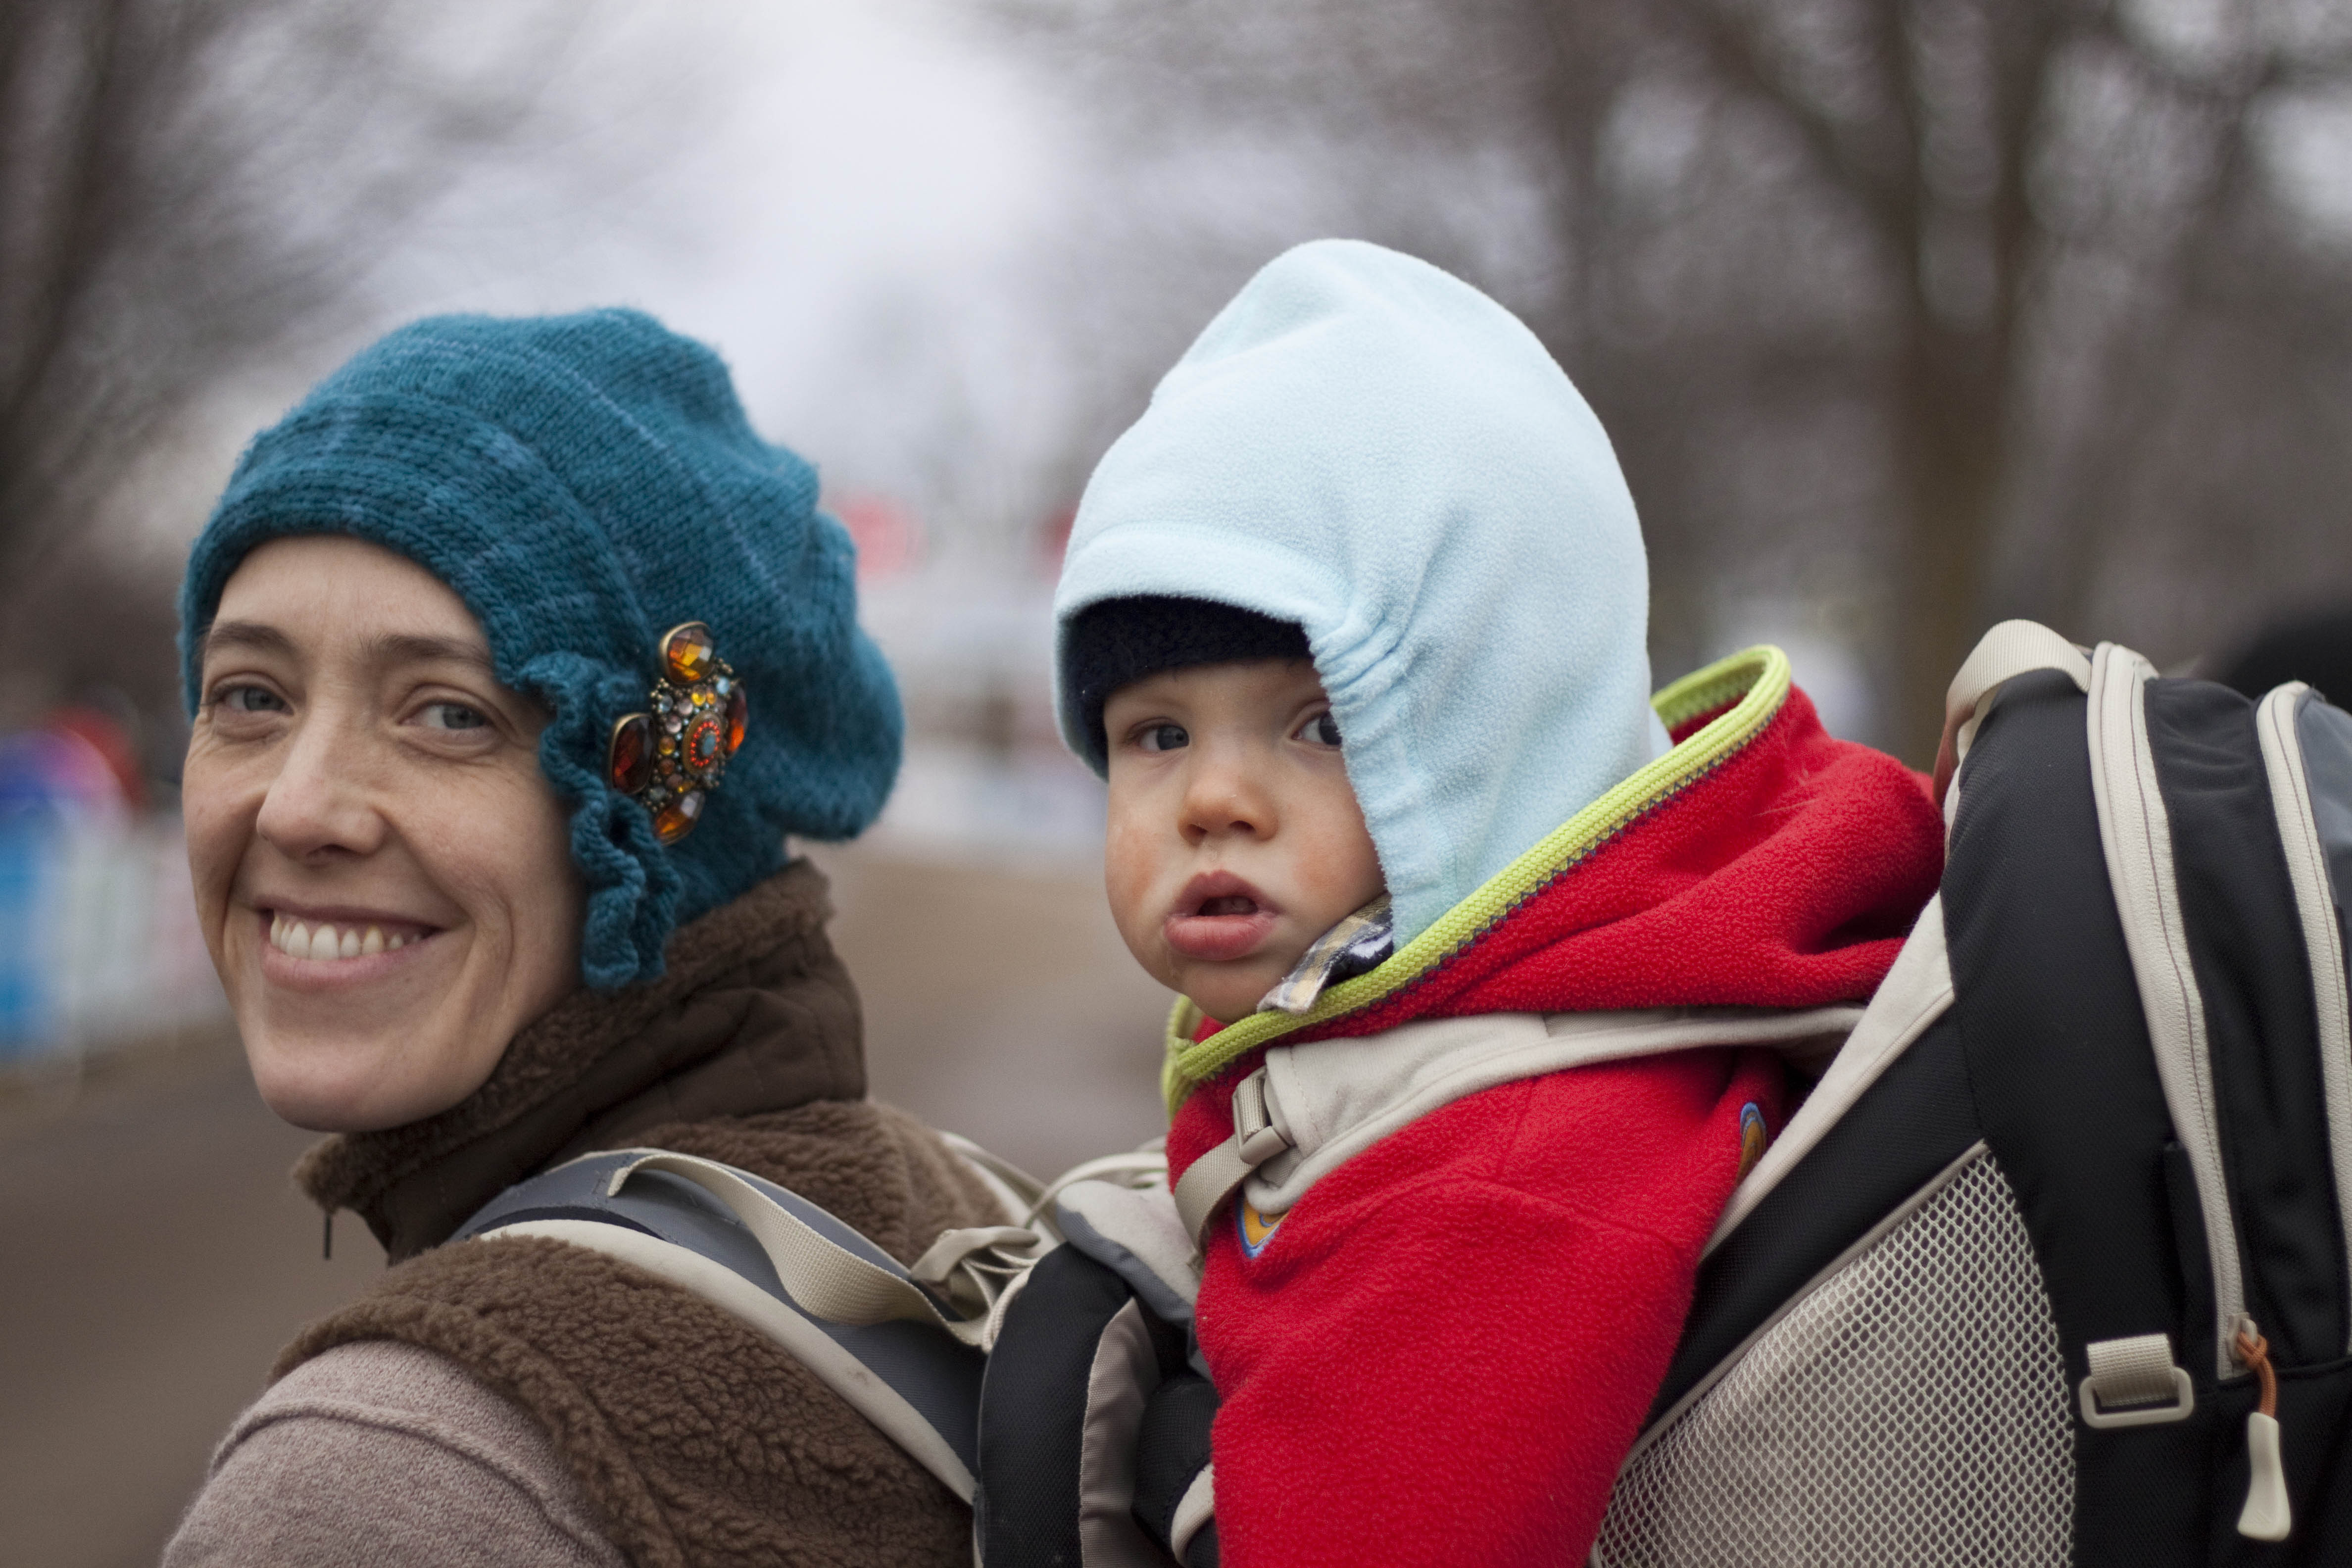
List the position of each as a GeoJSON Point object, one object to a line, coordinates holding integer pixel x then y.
{"type": "Point", "coordinates": [382, 870]}
{"type": "Point", "coordinates": [513, 658]}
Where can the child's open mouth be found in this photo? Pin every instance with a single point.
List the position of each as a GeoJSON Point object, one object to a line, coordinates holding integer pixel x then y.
{"type": "Point", "coordinates": [1219, 917]}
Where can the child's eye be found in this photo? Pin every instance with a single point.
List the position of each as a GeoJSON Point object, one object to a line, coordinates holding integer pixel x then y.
{"type": "Point", "coordinates": [1163, 738]}
{"type": "Point", "coordinates": [1320, 731]}
{"type": "Point", "coordinates": [452, 716]}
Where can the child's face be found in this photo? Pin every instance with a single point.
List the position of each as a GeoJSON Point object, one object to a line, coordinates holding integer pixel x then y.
{"type": "Point", "coordinates": [1235, 839]}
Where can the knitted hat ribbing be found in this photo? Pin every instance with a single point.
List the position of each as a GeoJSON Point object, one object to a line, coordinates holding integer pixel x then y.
{"type": "Point", "coordinates": [1118, 642]}
{"type": "Point", "coordinates": [583, 483]}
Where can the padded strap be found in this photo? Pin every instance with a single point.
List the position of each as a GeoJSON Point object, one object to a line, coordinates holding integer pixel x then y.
{"type": "Point", "coordinates": [2137, 839]}
{"type": "Point", "coordinates": [827, 1296]}
{"type": "Point", "coordinates": [2002, 654]}
{"type": "Point", "coordinates": [2297, 802]}
{"type": "Point", "coordinates": [1175, 1491]}
{"type": "Point", "coordinates": [837, 1366]}
{"type": "Point", "coordinates": [1196, 1512]}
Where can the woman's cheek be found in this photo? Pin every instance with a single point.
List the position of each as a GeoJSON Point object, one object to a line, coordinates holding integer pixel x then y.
{"type": "Point", "coordinates": [520, 887]}
{"type": "Point", "coordinates": [218, 825]}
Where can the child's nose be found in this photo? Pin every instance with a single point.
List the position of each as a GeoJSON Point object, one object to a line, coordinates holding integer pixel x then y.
{"type": "Point", "coordinates": [1223, 798]}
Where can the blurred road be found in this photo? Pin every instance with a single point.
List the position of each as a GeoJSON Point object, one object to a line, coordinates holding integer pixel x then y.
{"type": "Point", "coordinates": [1002, 1004]}
{"type": "Point", "coordinates": [153, 1257]}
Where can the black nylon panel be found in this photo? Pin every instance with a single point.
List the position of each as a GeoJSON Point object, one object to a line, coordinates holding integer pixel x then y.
{"type": "Point", "coordinates": [1171, 1449]}
{"type": "Point", "coordinates": [2245, 944]}
{"type": "Point", "coordinates": [1032, 1412]}
{"type": "Point", "coordinates": [2065, 1086]}
{"type": "Point", "coordinates": [1913, 1121]}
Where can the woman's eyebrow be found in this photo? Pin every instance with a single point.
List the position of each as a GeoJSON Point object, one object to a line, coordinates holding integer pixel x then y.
{"type": "Point", "coordinates": [391, 647]}
{"type": "Point", "coordinates": [406, 647]}
{"type": "Point", "coordinates": [252, 636]}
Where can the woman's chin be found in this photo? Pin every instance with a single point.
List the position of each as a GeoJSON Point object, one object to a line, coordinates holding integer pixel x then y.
{"type": "Point", "coordinates": [342, 1083]}
{"type": "Point", "coordinates": [317, 1104]}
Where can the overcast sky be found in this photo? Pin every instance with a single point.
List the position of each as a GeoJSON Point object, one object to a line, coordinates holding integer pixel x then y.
{"type": "Point", "coordinates": [847, 200]}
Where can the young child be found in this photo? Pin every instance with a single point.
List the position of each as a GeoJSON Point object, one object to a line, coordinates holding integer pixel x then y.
{"type": "Point", "coordinates": [1481, 972]}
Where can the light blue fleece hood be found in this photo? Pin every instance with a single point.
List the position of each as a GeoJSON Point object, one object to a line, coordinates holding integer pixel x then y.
{"type": "Point", "coordinates": [1374, 449]}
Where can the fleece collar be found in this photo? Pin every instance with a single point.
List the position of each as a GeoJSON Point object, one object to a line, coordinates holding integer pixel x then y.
{"type": "Point", "coordinates": [1760, 862]}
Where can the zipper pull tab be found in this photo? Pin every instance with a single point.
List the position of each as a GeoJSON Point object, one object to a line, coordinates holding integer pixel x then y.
{"type": "Point", "coordinates": [2267, 1515]}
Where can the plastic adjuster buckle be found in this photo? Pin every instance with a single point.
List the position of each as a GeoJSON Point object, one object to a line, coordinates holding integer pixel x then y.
{"type": "Point", "coordinates": [2134, 1382]}
{"type": "Point", "coordinates": [1255, 1137]}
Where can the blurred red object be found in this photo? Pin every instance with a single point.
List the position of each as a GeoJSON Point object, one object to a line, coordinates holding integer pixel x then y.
{"type": "Point", "coordinates": [888, 537]}
{"type": "Point", "coordinates": [1054, 540]}
{"type": "Point", "coordinates": [105, 736]}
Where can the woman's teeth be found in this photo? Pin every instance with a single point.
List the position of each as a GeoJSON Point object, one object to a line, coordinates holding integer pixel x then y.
{"type": "Point", "coordinates": [298, 939]}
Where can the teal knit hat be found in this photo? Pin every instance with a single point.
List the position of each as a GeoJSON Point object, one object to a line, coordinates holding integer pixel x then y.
{"type": "Point", "coordinates": [584, 483]}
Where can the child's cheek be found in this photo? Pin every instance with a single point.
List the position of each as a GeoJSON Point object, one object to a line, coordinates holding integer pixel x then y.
{"type": "Point", "coordinates": [1131, 874]}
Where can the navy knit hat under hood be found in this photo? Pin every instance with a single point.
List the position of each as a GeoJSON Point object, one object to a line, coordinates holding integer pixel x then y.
{"type": "Point", "coordinates": [584, 483]}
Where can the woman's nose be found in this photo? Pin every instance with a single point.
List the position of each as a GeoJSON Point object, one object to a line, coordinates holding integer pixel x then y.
{"type": "Point", "coordinates": [318, 805]}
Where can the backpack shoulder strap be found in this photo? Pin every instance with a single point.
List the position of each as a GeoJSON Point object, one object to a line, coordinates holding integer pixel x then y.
{"type": "Point", "coordinates": [1094, 1421]}
{"type": "Point", "coordinates": [2008, 650]}
{"type": "Point", "coordinates": [902, 1356]}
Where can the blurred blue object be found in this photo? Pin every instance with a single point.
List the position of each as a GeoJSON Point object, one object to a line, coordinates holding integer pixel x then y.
{"type": "Point", "coordinates": [56, 777]}
{"type": "Point", "coordinates": [99, 944]}
{"type": "Point", "coordinates": [24, 1009]}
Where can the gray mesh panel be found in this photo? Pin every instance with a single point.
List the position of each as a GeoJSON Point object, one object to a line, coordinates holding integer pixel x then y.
{"type": "Point", "coordinates": [1910, 1411]}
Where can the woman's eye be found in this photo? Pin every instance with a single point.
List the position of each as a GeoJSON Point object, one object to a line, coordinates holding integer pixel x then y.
{"type": "Point", "coordinates": [1320, 731]}
{"type": "Point", "coordinates": [251, 699]}
{"type": "Point", "coordinates": [1164, 738]}
{"type": "Point", "coordinates": [453, 716]}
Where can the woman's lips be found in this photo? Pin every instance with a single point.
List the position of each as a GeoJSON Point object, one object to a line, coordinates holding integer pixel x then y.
{"type": "Point", "coordinates": [1219, 917]}
{"type": "Point", "coordinates": [354, 949]}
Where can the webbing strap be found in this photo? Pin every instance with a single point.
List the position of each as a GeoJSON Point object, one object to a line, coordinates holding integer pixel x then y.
{"type": "Point", "coordinates": [1210, 1179]}
{"type": "Point", "coordinates": [2134, 1382]}
{"type": "Point", "coordinates": [1208, 1182]}
{"type": "Point", "coordinates": [2137, 1371]}
{"type": "Point", "coordinates": [2002, 654]}
{"type": "Point", "coordinates": [824, 1277]}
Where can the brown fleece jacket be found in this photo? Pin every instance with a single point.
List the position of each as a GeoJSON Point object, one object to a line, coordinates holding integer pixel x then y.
{"type": "Point", "coordinates": [696, 1440]}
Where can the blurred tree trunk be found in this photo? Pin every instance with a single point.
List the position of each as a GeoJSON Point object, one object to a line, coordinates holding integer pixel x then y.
{"type": "Point", "coordinates": [1935, 156]}
{"type": "Point", "coordinates": [187, 187]}
{"type": "Point", "coordinates": [1974, 274]}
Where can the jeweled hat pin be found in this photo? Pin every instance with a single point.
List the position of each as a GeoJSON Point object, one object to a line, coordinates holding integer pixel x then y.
{"type": "Point", "coordinates": [672, 758]}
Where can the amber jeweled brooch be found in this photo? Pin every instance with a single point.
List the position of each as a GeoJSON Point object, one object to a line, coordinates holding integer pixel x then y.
{"type": "Point", "coordinates": [672, 758]}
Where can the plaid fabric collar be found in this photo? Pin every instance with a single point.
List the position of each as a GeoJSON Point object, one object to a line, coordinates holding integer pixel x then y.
{"type": "Point", "coordinates": [1357, 945]}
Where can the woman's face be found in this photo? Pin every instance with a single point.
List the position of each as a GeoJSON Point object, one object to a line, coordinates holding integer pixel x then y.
{"type": "Point", "coordinates": [381, 867]}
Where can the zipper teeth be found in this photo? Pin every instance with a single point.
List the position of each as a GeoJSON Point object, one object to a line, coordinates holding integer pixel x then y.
{"type": "Point", "coordinates": [2140, 863]}
{"type": "Point", "coordinates": [2282, 761]}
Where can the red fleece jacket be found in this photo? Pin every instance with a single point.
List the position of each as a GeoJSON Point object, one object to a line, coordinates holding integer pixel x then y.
{"type": "Point", "coordinates": [1447, 1346]}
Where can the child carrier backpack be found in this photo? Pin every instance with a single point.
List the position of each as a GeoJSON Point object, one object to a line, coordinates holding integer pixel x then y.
{"type": "Point", "coordinates": [909, 1347]}
{"type": "Point", "coordinates": [2050, 1266]}
{"type": "Point", "coordinates": [2054, 1264]}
